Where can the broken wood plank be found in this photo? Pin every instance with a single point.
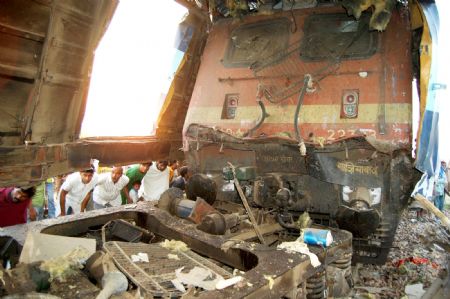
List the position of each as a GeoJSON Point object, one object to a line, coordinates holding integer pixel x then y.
{"type": "Point", "coordinates": [430, 207]}
{"type": "Point", "coordinates": [264, 229]}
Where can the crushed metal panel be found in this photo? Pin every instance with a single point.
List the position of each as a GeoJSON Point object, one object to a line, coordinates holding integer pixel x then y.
{"type": "Point", "coordinates": [46, 54]}
{"type": "Point", "coordinates": [117, 152]}
{"type": "Point", "coordinates": [61, 89]}
{"type": "Point", "coordinates": [22, 165]}
{"type": "Point", "coordinates": [288, 270]}
{"type": "Point", "coordinates": [173, 112]}
{"type": "Point", "coordinates": [23, 25]}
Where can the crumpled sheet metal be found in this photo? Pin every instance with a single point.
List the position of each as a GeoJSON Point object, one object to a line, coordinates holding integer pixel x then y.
{"type": "Point", "coordinates": [254, 259]}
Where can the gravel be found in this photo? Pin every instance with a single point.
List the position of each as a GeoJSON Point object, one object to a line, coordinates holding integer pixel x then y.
{"type": "Point", "coordinates": [420, 254]}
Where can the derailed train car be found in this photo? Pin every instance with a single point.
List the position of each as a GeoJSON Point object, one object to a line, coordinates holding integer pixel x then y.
{"type": "Point", "coordinates": [315, 109]}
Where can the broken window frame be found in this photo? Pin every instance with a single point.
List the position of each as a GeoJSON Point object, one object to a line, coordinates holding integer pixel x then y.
{"type": "Point", "coordinates": [276, 31]}
{"type": "Point", "coordinates": [321, 31]}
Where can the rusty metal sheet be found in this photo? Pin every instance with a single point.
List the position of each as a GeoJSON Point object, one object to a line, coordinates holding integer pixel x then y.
{"type": "Point", "coordinates": [22, 165]}
{"type": "Point", "coordinates": [46, 55]}
{"type": "Point", "coordinates": [288, 270]}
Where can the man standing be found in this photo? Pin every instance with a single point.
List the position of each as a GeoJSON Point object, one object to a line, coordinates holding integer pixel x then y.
{"type": "Point", "coordinates": [135, 174]}
{"type": "Point", "coordinates": [439, 187]}
{"type": "Point", "coordinates": [75, 192]}
{"type": "Point", "coordinates": [109, 186]}
{"type": "Point", "coordinates": [155, 181]}
{"type": "Point", "coordinates": [14, 203]}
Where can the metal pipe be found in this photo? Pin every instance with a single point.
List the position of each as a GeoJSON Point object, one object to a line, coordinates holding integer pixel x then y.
{"type": "Point", "coordinates": [246, 205]}
{"type": "Point", "coordinates": [297, 109]}
{"type": "Point", "coordinates": [264, 114]}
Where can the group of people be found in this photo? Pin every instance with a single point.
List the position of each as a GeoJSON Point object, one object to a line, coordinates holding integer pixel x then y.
{"type": "Point", "coordinates": [143, 182]}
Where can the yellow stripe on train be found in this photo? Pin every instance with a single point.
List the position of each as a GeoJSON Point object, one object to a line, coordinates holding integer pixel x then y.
{"type": "Point", "coordinates": [399, 113]}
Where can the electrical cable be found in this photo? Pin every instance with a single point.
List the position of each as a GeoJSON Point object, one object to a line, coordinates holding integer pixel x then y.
{"type": "Point", "coordinates": [264, 114]}
{"type": "Point", "coordinates": [298, 137]}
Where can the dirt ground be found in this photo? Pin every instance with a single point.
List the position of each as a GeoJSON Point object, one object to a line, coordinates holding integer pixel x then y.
{"type": "Point", "coordinates": [420, 254]}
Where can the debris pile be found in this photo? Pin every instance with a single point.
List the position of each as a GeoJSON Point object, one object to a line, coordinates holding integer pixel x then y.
{"type": "Point", "coordinates": [420, 255]}
{"type": "Point", "coordinates": [75, 270]}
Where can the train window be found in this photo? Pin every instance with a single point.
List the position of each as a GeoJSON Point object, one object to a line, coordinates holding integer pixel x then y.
{"type": "Point", "coordinates": [251, 42]}
{"type": "Point", "coordinates": [336, 37]}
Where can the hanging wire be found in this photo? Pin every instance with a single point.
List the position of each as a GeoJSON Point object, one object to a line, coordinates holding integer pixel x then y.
{"type": "Point", "coordinates": [281, 75]}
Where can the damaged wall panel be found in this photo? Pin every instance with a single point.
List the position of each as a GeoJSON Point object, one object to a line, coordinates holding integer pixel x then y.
{"type": "Point", "coordinates": [22, 165]}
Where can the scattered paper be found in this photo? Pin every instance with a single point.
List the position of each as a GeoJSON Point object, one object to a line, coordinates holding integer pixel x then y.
{"type": "Point", "coordinates": [140, 257]}
{"type": "Point", "coordinates": [63, 266]}
{"type": "Point", "coordinates": [199, 277]}
{"type": "Point", "coordinates": [414, 291]}
{"type": "Point", "coordinates": [300, 247]}
{"type": "Point", "coordinates": [228, 244]}
{"type": "Point", "coordinates": [43, 247]}
{"type": "Point", "coordinates": [372, 290]}
{"type": "Point", "coordinates": [178, 285]}
{"type": "Point", "coordinates": [271, 281]}
{"type": "Point", "coordinates": [222, 284]}
{"type": "Point", "coordinates": [439, 248]}
{"type": "Point", "coordinates": [174, 245]}
{"type": "Point", "coordinates": [173, 257]}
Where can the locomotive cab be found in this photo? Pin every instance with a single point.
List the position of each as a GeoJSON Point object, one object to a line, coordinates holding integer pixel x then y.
{"type": "Point", "coordinates": [314, 108]}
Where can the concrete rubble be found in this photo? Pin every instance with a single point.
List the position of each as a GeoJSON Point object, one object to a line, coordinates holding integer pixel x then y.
{"type": "Point", "coordinates": [419, 256]}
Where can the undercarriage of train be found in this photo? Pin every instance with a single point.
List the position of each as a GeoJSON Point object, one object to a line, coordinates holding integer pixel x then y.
{"type": "Point", "coordinates": [348, 185]}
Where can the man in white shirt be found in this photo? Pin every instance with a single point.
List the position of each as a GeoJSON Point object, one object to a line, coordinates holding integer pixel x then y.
{"type": "Point", "coordinates": [109, 186]}
{"type": "Point", "coordinates": [75, 192]}
{"type": "Point", "coordinates": [155, 182]}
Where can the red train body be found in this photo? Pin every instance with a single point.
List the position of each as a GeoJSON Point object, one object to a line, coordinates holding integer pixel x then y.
{"type": "Point", "coordinates": [316, 110]}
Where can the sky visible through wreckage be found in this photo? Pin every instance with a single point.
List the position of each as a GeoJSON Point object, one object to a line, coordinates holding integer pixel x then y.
{"type": "Point", "coordinates": [132, 67]}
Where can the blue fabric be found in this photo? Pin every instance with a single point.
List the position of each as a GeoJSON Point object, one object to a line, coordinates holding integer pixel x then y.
{"type": "Point", "coordinates": [428, 141]}
{"type": "Point", "coordinates": [442, 172]}
{"type": "Point", "coordinates": [441, 182]}
{"type": "Point", "coordinates": [69, 211]}
{"type": "Point", "coordinates": [179, 183]}
{"type": "Point", "coordinates": [98, 206]}
{"type": "Point", "coordinates": [427, 159]}
{"type": "Point", "coordinates": [428, 145]}
{"type": "Point", "coordinates": [439, 202]}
